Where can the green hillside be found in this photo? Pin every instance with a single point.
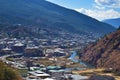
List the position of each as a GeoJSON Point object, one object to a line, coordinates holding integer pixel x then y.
{"type": "Point", "coordinates": [45, 14]}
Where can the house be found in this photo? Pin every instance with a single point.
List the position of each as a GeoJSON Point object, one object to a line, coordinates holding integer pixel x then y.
{"type": "Point", "coordinates": [56, 74]}
{"type": "Point", "coordinates": [18, 47]}
{"type": "Point", "coordinates": [39, 74]}
{"type": "Point", "coordinates": [6, 50]}
{"type": "Point", "coordinates": [33, 51]}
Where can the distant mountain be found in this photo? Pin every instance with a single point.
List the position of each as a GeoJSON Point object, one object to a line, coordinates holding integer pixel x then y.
{"type": "Point", "coordinates": [113, 22]}
{"type": "Point", "coordinates": [105, 52]}
{"type": "Point", "coordinates": [42, 13]}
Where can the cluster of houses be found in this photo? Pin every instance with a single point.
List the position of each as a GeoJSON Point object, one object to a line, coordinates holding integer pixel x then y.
{"type": "Point", "coordinates": [28, 45]}
{"type": "Point", "coordinates": [48, 47]}
{"type": "Point", "coordinates": [52, 73]}
{"type": "Point", "coordinates": [30, 48]}
{"type": "Point", "coordinates": [38, 71]}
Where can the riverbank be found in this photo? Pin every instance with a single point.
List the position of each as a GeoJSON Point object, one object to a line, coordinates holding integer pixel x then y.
{"type": "Point", "coordinates": [60, 61]}
{"type": "Point", "coordinates": [75, 58]}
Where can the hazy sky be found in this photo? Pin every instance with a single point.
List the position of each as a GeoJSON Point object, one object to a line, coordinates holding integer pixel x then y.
{"type": "Point", "coordinates": [99, 9]}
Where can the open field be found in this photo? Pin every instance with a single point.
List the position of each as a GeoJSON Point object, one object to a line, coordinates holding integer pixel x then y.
{"type": "Point", "coordinates": [62, 61]}
{"type": "Point", "coordinates": [99, 71]}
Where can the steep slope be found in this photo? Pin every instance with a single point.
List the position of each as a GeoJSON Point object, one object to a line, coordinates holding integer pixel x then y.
{"type": "Point", "coordinates": [105, 52]}
{"type": "Point", "coordinates": [113, 22]}
{"type": "Point", "coordinates": [42, 13]}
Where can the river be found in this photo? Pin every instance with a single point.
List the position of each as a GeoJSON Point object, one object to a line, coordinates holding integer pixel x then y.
{"type": "Point", "coordinates": [72, 57]}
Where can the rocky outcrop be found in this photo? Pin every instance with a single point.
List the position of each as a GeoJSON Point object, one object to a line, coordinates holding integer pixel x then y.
{"type": "Point", "coordinates": [105, 52]}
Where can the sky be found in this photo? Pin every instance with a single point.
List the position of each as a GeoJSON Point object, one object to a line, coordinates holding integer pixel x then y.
{"type": "Point", "coordinates": [98, 9]}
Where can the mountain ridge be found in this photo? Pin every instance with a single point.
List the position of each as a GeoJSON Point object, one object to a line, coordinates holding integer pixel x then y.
{"type": "Point", "coordinates": [114, 22]}
{"type": "Point", "coordinates": [44, 13]}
